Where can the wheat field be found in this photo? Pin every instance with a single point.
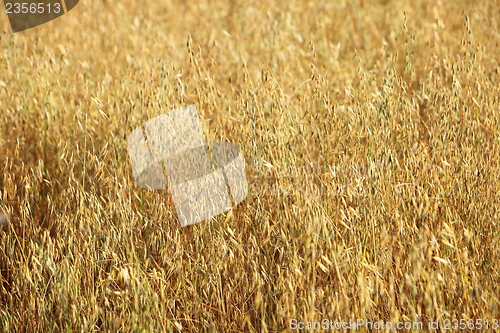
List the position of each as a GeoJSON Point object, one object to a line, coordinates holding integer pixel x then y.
{"type": "Point", "coordinates": [370, 134]}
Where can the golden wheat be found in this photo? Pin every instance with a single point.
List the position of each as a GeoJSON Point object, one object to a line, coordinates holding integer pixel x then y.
{"type": "Point", "coordinates": [370, 131]}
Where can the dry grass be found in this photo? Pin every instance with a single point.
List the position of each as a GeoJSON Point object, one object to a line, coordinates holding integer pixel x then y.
{"type": "Point", "coordinates": [370, 131]}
